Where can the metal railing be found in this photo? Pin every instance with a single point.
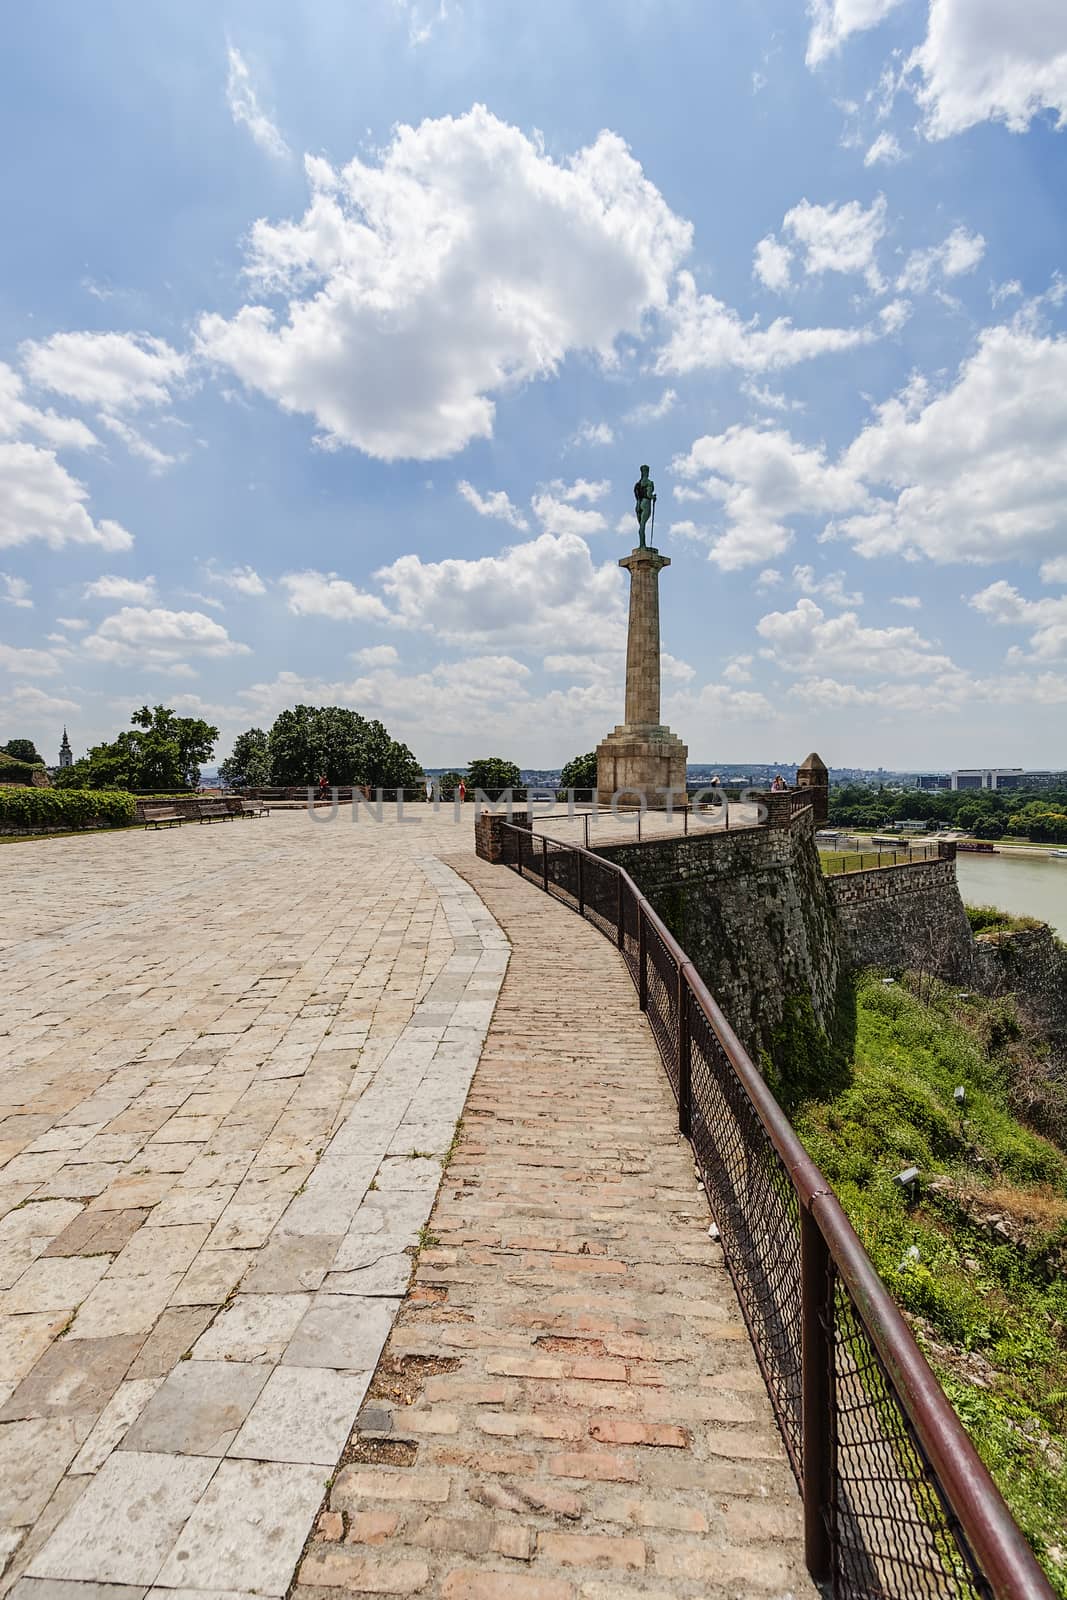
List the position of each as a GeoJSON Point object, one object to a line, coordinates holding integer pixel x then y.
{"type": "Point", "coordinates": [897, 1503]}
{"type": "Point", "coordinates": [836, 862]}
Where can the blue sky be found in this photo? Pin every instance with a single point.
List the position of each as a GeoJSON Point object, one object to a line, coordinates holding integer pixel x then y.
{"type": "Point", "coordinates": [332, 338]}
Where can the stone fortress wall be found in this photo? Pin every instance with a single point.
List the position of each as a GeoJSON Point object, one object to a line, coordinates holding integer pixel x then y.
{"type": "Point", "coordinates": [906, 916]}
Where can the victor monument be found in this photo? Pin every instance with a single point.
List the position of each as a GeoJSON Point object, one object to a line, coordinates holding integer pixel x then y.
{"type": "Point", "coordinates": [642, 757]}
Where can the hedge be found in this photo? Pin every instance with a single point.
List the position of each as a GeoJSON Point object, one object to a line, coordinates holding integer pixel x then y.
{"type": "Point", "coordinates": [65, 808]}
{"type": "Point", "coordinates": [14, 771]}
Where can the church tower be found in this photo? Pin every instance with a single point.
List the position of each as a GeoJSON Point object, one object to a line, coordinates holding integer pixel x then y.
{"type": "Point", "coordinates": [66, 755]}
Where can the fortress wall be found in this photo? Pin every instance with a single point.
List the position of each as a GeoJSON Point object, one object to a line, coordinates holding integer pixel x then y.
{"type": "Point", "coordinates": [905, 916]}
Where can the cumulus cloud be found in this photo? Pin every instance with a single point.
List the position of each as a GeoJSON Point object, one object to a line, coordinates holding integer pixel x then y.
{"type": "Point", "coordinates": [17, 416]}
{"type": "Point", "coordinates": [834, 21]}
{"type": "Point", "coordinates": [242, 579]}
{"type": "Point", "coordinates": [557, 513]}
{"type": "Point", "coordinates": [982, 60]}
{"type": "Point", "coordinates": [16, 591]}
{"type": "Point", "coordinates": [495, 504]}
{"type": "Point", "coordinates": [138, 591]}
{"type": "Point", "coordinates": [136, 443]}
{"type": "Point", "coordinates": [771, 263]}
{"type": "Point", "coordinates": [377, 655]}
{"type": "Point", "coordinates": [1045, 620]}
{"type": "Point", "coordinates": [324, 594]}
{"type": "Point", "coordinates": [839, 238]}
{"type": "Point", "coordinates": [30, 701]}
{"type": "Point", "coordinates": [246, 110]}
{"type": "Point", "coordinates": [544, 594]}
{"type": "Point", "coordinates": [885, 150]}
{"type": "Point", "coordinates": [760, 476]}
{"type": "Point", "coordinates": [1054, 571]}
{"type": "Point", "coordinates": [654, 410]}
{"type": "Point", "coordinates": [707, 334]}
{"type": "Point", "coordinates": [28, 663]}
{"type": "Point", "coordinates": [395, 337]}
{"type": "Point", "coordinates": [796, 638]}
{"type": "Point", "coordinates": [40, 500]}
{"type": "Point", "coordinates": [596, 433]}
{"type": "Point", "coordinates": [115, 371]}
{"type": "Point", "coordinates": [959, 253]}
{"type": "Point", "coordinates": [138, 635]}
{"type": "Point", "coordinates": [909, 602]}
{"type": "Point", "coordinates": [831, 587]}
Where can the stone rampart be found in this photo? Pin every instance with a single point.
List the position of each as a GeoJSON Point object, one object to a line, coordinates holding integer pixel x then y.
{"type": "Point", "coordinates": [907, 916]}
{"type": "Point", "coordinates": [1031, 965]}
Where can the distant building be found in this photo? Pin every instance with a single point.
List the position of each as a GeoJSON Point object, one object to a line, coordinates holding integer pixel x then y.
{"type": "Point", "coordinates": [933, 780]}
{"type": "Point", "coordinates": [66, 755]}
{"type": "Point", "coordinates": [1002, 778]}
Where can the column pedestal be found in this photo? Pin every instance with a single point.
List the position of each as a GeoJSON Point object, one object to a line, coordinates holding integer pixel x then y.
{"type": "Point", "coordinates": [642, 756]}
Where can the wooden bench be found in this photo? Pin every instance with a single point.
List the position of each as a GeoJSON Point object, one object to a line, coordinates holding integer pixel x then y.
{"type": "Point", "coordinates": [154, 815]}
{"type": "Point", "coordinates": [254, 808]}
{"type": "Point", "coordinates": [214, 811]}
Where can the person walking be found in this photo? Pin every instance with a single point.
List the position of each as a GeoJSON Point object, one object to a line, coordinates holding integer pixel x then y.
{"type": "Point", "coordinates": [462, 790]}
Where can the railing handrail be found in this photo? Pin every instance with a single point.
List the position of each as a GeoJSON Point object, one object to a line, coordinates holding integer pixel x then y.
{"type": "Point", "coordinates": [973, 1498]}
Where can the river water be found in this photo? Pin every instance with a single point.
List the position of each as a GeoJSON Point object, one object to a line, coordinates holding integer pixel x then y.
{"type": "Point", "coordinates": [1017, 884]}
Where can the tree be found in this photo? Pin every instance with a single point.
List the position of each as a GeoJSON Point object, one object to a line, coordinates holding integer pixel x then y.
{"type": "Point", "coordinates": [308, 741]}
{"type": "Point", "coordinates": [579, 773]}
{"type": "Point", "coordinates": [387, 764]}
{"type": "Point", "coordinates": [248, 765]}
{"type": "Point", "coordinates": [23, 750]}
{"type": "Point", "coordinates": [448, 783]}
{"type": "Point", "coordinates": [491, 774]}
{"type": "Point", "coordinates": [166, 755]}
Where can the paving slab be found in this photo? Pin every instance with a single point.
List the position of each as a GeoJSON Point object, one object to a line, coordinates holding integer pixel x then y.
{"type": "Point", "coordinates": [247, 1529]}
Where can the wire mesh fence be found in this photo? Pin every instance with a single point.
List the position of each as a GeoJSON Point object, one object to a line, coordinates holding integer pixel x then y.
{"type": "Point", "coordinates": [897, 1504]}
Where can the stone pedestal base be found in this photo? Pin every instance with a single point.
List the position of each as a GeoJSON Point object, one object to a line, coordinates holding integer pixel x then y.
{"type": "Point", "coordinates": [646, 761]}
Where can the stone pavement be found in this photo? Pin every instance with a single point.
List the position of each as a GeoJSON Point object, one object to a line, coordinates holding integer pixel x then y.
{"type": "Point", "coordinates": [568, 1407]}
{"type": "Point", "coordinates": [231, 1064]}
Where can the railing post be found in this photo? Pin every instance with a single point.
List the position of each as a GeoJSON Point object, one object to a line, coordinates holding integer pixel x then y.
{"type": "Point", "coordinates": [585, 819]}
{"type": "Point", "coordinates": [685, 1057]}
{"type": "Point", "coordinates": [581, 884]}
{"type": "Point", "coordinates": [544, 859]}
{"type": "Point", "coordinates": [620, 932]}
{"type": "Point", "coordinates": [819, 1421]}
{"type": "Point", "coordinates": [642, 959]}
{"type": "Point", "coordinates": [685, 820]}
{"type": "Point", "coordinates": [639, 827]}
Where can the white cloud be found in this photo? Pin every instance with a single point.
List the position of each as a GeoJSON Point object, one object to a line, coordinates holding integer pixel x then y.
{"type": "Point", "coordinates": [653, 410]}
{"type": "Point", "coordinates": [40, 500]}
{"type": "Point", "coordinates": [245, 108]}
{"type": "Point", "coordinates": [116, 371]}
{"type": "Point", "coordinates": [909, 602]}
{"type": "Point", "coordinates": [983, 60]}
{"type": "Point", "coordinates": [834, 21]}
{"type": "Point", "coordinates": [581, 489]}
{"type": "Point", "coordinates": [556, 514]}
{"type": "Point", "coordinates": [959, 253]}
{"type": "Point", "coordinates": [687, 530]}
{"type": "Point", "coordinates": [29, 663]}
{"type": "Point", "coordinates": [17, 416]}
{"type": "Point", "coordinates": [885, 149]}
{"type": "Point", "coordinates": [137, 635]}
{"type": "Point", "coordinates": [136, 443]}
{"type": "Point", "coordinates": [1045, 620]}
{"type": "Point", "coordinates": [977, 471]}
{"type": "Point", "coordinates": [760, 476]}
{"type": "Point", "coordinates": [708, 334]}
{"type": "Point", "coordinates": [74, 623]}
{"type": "Point", "coordinates": [16, 591]}
{"type": "Point", "coordinates": [770, 399]}
{"type": "Point", "coordinates": [771, 263]}
{"type": "Point", "coordinates": [894, 315]}
{"type": "Point", "coordinates": [387, 273]}
{"type": "Point", "coordinates": [597, 433]}
{"type": "Point", "coordinates": [768, 579]}
{"type": "Point", "coordinates": [804, 635]}
{"type": "Point", "coordinates": [495, 504]}
{"type": "Point", "coordinates": [1011, 290]}
{"type": "Point", "coordinates": [545, 594]}
{"type": "Point", "coordinates": [377, 655]}
{"type": "Point", "coordinates": [30, 701]}
{"type": "Point", "coordinates": [324, 594]}
{"type": "Point", "coordinates": [137, 591]}
{"type": "Point", "coordinates": [839, 238]}
{"type": "Point", "coordinates": [244, 579]}
{"type": "Point", "coordinates": [1054, 571]}
{"type": "Point", "coordinates": [831, 587]}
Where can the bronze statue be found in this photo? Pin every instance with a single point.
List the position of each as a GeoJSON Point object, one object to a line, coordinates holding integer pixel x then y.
{"type": "Point", "coordinates": [645, 496]}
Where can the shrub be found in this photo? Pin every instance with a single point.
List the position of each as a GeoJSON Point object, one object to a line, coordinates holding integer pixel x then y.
{"type": "Point", "coordinates": [12, 770]}
{"type": "Point", "coordinates": [65, 808]}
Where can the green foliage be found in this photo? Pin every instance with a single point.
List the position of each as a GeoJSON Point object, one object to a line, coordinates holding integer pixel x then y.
{"type": "Point", "coordinates": [248, 765]}
{"type": "Point", "coordinates": [989, 813]}
{"type": "Point", "coordinates": [491, 774]}
{"type": "Point", "coordinates": [448, 783]}
{"type": "Point", "coordinates": [13, 770]}
{"type": "Point", "coordinates": [23, 750]}
{"type": "Point", "coordinates": [162, 751]}
{"type": "Point", "coordinates": [308, 741]}
{"type": "Point", "coordinates": [579, 773]}
{"type": "Point", "coordinates": [802, 1061]}
{"type": "Point", "coordinates": [984, 918]}
{"type": "Point", "coordinates": [989, 1309]}
{"type": "Point", "coordinates": [65, 808]}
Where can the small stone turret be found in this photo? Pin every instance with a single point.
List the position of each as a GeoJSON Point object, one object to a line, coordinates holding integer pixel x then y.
{"type": "Point", "coordinates": [812, 774]}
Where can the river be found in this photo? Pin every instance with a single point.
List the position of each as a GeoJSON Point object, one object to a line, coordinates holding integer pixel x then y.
{"type": "Point", "coordinates": [1028, 888]}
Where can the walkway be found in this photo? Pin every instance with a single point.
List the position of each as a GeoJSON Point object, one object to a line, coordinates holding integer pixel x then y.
{"type": "Point", "coordinates": [569, 1405]}
{"type": "Point", "coordinates": [233, 1062]}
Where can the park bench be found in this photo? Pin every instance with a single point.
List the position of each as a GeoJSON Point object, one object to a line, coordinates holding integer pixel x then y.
{"type": "Point", "coordinates": [154, 815]}
{"type": "Point", "coordinates": [254, 808]}
{"type": "Point", "coordinates": [214, 811]}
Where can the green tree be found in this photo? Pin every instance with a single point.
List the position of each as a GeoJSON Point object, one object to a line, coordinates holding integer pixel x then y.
{"type": "Point", "coordinates": [448, 783]}
{"type": "Point", "coordinates": [387, 764]}
{"type": "Point", "coordinates": [248, 764]}
{"type": "Point", "coordinates": [579, 773]}
{"type": "Point", "coordinates": [308, 741]}
{"type": "Point", "coordinates": [162, 752]}
{"type": "Point", "coordinates": [491, 774]}
{"type": "Point", "coordinates": [23, 750]}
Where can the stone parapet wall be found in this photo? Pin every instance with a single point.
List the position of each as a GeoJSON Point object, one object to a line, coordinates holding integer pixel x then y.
{"type": "Point", "coordinates": [490, 840]}
{"type": "Point", "coordinates": [908, 916]}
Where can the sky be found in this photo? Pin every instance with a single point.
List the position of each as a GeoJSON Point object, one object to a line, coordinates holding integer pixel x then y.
{"type": "Point", "coordinates": [332, 338]}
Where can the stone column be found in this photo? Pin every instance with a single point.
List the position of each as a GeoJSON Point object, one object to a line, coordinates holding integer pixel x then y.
{"type": "Point", "coordinates": [642, 640]}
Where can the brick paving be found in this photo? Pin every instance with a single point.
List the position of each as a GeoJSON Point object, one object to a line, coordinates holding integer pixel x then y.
{"type": "Point", "coordinates": [568, 1407]}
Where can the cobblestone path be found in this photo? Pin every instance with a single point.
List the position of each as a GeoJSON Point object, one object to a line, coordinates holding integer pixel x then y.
{"type": "Point", "coordinates": [568, 1407]}
{"type": "Point", "coordinates": [232, 1058]}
